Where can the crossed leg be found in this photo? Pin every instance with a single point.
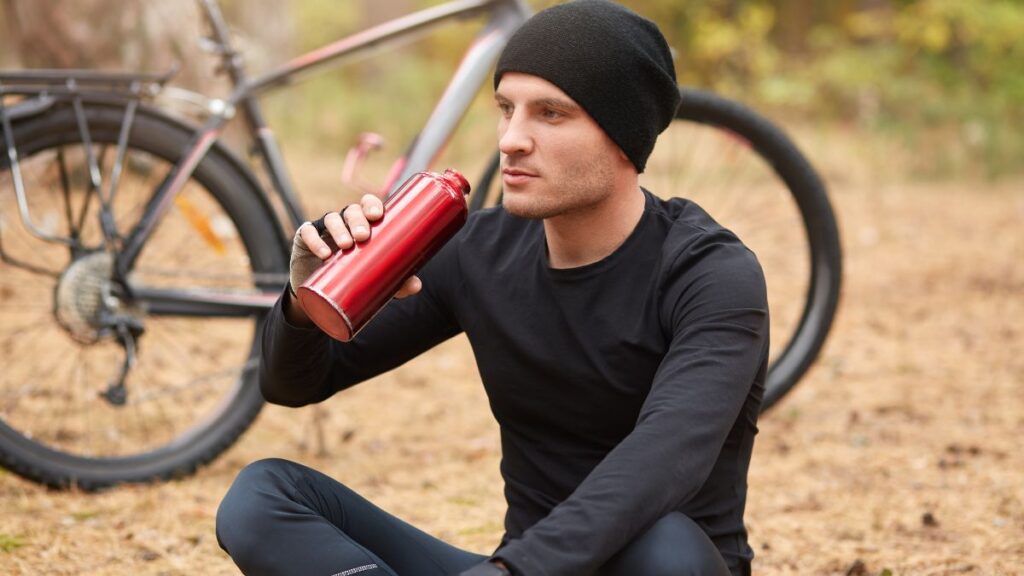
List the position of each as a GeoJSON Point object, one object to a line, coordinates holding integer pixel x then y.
{"type": "Point", "coordinates": [280, 517]}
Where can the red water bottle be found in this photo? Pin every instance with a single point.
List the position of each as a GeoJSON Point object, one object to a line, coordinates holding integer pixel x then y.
{"type": "Point", "coordinates": [354, 284]}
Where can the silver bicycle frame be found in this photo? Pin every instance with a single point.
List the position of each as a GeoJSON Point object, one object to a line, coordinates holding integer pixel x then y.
{"type": "Point", "coordinates": [505, 16]}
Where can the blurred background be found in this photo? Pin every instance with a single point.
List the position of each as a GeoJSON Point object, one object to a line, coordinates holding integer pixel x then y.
{"type": "Point", "coordinates": [944, 78]}
{"type": "Point", "coordinates": [897, 454]}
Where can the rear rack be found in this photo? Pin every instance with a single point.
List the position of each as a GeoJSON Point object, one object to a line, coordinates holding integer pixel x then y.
{"type": "Point", "coordinates": [30, 92]}
{"type": "Point", "coordinates": [74, 82]}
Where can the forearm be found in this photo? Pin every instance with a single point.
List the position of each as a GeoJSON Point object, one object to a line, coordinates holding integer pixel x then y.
{"type": "Point", "coordinates": [623, 496]}
{"type": "Point", "coordinates": [302, 365]}
{"type": "Point", "coordinates": [603, 515]}
{"type": "Point", "coordinates": [694, 406]}
{"type": "Point", "coordinates": [294, 313]}
{"type": "Point", "coordinates": [295, 359]}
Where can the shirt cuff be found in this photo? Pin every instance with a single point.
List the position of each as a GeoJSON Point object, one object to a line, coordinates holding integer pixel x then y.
{"type": "Point", "coordinates": [285, 303]}
{"type": "Point", "coordinates": [518, 563]}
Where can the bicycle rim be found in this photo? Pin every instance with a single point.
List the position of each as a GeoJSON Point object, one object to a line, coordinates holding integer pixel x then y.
{"type": "Point", "coordinates": [192, 388]}
{"type": "Point", "coordinates": [749, 176]}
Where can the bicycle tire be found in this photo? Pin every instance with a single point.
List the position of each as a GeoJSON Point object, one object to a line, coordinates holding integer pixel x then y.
{"type": "Point", "coordinates": [798, 348]}
{"type": "Point", "coordinates": [227, 191]}
{"type": "Point", "coordinates": [797, 344]}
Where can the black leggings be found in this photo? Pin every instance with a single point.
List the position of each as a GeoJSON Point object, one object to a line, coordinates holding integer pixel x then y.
{"type": "Point", "coordinates": [280, 517]}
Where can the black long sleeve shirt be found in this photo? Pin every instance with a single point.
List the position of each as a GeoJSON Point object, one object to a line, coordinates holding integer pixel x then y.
{"type": "Point", "coordinates": [624, 389]}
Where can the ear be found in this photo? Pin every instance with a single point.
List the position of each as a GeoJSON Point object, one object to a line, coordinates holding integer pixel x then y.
{"type": "Point", "coordinates": [624, 160]}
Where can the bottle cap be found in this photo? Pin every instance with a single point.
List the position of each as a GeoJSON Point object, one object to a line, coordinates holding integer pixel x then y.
{"type": "Point", "coordinates": [457, 180]}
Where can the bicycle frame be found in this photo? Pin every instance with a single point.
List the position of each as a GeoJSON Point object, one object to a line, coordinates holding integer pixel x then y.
{"type": "Point", "coordinates": [48, 85]}
{"type": "Point", "coordinates": [503, 18]}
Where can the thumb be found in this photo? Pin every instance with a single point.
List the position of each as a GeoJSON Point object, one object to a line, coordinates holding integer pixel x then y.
{"type": "Point", "coordinates": [410, 287]}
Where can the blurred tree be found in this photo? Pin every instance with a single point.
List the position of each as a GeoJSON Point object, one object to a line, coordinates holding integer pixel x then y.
{"type": "Point", "coordinates": [83, 33]}
{"type": "Point", "coordinates": [264, 31]}
{"type": "Point", "coordinates": [890, 64]}
{"type": "Point", "coordinates": [29, 23]}
{"type": "Point", "coordinates": [794, 19]}
{"type": "Point", "coordinates": [129, 35]}
{"type": "Point", "coordinates": [377, 11]}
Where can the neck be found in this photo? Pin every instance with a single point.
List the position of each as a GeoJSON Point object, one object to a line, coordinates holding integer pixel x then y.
{"type": "Point", "coordinates": [588, 235]}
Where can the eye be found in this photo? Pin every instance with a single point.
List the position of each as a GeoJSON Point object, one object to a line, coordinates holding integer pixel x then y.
{"type": "Point", "coordinates": [505, 108]}
{"type": "Point", "coordinates": [551, 114]}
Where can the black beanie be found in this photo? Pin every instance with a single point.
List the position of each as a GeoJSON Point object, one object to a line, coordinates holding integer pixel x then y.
{"type": "Point", "coordinates": [610, 60]}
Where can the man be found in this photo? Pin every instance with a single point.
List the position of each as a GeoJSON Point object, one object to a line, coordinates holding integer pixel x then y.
{"type": "Point", "coordinates": [622, 341]}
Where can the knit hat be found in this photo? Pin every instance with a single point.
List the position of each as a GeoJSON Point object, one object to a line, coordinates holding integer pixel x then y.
{"type": "Point", "coordinates": [610, 60]}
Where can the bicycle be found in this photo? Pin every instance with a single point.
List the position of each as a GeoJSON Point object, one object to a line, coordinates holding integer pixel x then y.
{"type": "Point", "coordinates": [104, 288]}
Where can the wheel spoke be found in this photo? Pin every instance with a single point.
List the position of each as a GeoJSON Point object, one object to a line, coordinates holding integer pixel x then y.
{"type": "Point", "coordinates": [732, 163]}
{"type": "Point", "coordinates": [90, 191]}
{"type": "Point", "coordinates": [199, 278]}
{"type": "Point", "coordinates": [65, 185]}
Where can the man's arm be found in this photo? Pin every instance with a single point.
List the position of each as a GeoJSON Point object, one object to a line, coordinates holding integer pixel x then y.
{"type": "Point", "coordinates": [300, 364]}
{"type": "Point", "coordinates": [718, 310]}
{"type": "Point", "coordinates": [293, 311]}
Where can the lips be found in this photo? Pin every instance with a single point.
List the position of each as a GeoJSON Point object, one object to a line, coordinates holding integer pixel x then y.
{"type": "Point", "coordinates": [516, 176]}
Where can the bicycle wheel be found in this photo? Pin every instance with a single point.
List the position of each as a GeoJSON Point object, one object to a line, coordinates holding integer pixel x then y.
{"type": "Point", "coordinates": [752, 179]}
{"type": "Point", "coordinates": [192, 388]}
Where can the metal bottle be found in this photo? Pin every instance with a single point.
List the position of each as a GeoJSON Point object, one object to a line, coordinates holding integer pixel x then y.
{"type": "Point", "coordinates": [354, 284]}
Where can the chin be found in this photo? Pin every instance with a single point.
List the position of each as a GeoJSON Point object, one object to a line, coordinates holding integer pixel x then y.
{"type": "Point", "coordinates": [523, 208]}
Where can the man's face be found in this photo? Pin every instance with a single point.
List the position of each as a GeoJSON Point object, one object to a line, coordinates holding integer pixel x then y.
{"type": "Point", "coordinates": [555, 158]}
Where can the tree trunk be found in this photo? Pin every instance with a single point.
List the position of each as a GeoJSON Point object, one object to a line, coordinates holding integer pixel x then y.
{"type": "Point", "coordinates": [115, 35]}
{"type": "Point", "coordinates": [377, 11]}
{"type": "Point", "coordinates": [794, 21]}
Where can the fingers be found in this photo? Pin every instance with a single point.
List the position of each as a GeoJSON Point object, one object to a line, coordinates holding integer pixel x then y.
{"type": "Point", "coordinates": [338, 231]}
{"type": "Point", "coordinates": [410, 287]}
{"type": "Point", "coordinates": [313, 241]}
{"type": "Point", "coordinates": [358, 216]}
{"type": "Point", "coordinates": [346, 228]}
{"type": "Point", "coordinates": [335, 226]}
{"type": "Point", "coordinates": [373, 207]}
{"type": "Point", "coordinates": [357, 223]}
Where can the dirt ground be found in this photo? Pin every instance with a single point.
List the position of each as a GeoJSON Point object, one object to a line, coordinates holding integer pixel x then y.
{"type": "Point", "coordinates": [898, 454]}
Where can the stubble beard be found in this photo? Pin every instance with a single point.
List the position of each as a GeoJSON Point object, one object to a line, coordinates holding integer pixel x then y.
{"type": "Point", "coordinates": [579, 188]}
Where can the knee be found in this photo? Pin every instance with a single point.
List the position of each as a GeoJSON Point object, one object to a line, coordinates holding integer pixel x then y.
{"type": "Point", "coordinates": [674, 546]}
{"type": "Point", "coordinates": [245, 508]}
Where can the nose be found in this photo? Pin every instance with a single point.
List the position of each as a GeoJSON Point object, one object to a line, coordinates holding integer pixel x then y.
{"type": "Point", "coordinates": [513, 136]}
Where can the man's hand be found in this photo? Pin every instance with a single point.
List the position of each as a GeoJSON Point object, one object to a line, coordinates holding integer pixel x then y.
{"type": "Point", "coordinates": [314, 242]}
{"type": "Point", "coordinates": [488, 568]}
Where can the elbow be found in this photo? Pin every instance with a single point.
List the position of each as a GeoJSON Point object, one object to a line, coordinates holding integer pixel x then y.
{"type": "Point", "coordinates": [285, 401]}
{"type": "Point", "coordinates": [274, 392]}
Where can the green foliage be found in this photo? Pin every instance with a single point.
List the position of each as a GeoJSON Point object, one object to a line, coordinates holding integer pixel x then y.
{"type": "Point", "coordinates": [911, 67]}
{"type": "Point", "coordinates": [10, 542]}
{"type": "Point", "coordinates": [945, 75]}
{"type": "Point", "coordinates": [931, 66]}
{"type": "Point", "coordinates": [390, 91]}
{"type": "Point", "coordinates": [321, 22]}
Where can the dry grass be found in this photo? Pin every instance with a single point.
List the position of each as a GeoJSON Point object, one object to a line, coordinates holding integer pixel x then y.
{"type": "Point", "coordinates": [899, 451]}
